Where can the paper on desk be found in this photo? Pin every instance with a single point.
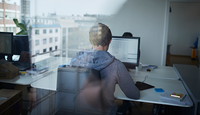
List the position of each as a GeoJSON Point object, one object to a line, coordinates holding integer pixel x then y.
{"type": "Point", "coordinates": [185, 101]}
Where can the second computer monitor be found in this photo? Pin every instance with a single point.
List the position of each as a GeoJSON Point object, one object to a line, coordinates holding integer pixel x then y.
{"type": "Point", "coordinates": [20, 44]}
{"type": "Point", "coordinates": [126, 49]}
{"type": "Point", "coordinates": [6, 42]}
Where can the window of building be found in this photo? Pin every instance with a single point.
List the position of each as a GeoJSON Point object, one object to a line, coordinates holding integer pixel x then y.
{"type": "Point", "coordinates": [50, 40]}
{"type": "Point", "coordinates": [44, 50]}
{"type": "Point", "coordinates": [44, 41]}
{"type": "Point", "coordinates": [64, 30]}
{"type": "Point", "coordinates": [56, 30]}
{"type": "Point", "coordinates": [56, 39]}
{"type": "Point", "coordinates": [50, 49]}
{"type": "Point", "coordinates": [37, 52]}
{"type": "Point", "coordinates": [56, 47]}
{"type": "Point", "coordinates": [44, 31]}
{"type": "Point", "coordinates": [50, 31]}
{"type": "Point", "coordinates": [36, 31]}
{"type": "Point", "coordinates": [37, 42]}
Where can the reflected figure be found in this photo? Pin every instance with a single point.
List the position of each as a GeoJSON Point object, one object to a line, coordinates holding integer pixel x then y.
{"type": "Point", "coordinates": [90, 97]}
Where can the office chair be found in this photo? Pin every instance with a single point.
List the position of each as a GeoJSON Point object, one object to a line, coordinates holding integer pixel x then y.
{"type": "Point", "coordinates": [79, 91]}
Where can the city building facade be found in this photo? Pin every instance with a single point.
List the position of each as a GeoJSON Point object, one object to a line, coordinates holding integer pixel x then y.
{"type": "Point", "coordinates": [8, 12]}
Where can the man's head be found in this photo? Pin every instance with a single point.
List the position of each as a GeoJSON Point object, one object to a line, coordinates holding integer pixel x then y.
{"type": "Point", "coordinates": [100, 34]}
{"type": "Point", "coordinates": [127, 34]}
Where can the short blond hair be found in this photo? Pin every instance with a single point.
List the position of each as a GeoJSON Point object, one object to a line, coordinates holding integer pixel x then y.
{"type": "Point", "coordinates": [100, 34]}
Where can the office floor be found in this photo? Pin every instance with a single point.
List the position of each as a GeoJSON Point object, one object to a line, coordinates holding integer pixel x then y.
{"type": "Point", "coordinates": [147, 108]}
{"type": "Point", "coordinates": [139, 108]}
{"type": "Point", "coordinates": [175, 59]}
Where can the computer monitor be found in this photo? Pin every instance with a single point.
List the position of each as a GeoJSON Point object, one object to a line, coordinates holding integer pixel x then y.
{"type": "Point", "coordinates": [6, 39]}
{"type": "Point", "coordinates": [20, 44]}
{"type": "Point", "coordinates": [126, 49]}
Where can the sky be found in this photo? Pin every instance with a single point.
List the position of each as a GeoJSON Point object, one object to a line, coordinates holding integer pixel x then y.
{"type": "Point", "coordinates": [75, 7]}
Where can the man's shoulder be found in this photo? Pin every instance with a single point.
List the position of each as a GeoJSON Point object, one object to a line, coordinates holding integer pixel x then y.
{"type": "Point", "coordinates": [118, 63]}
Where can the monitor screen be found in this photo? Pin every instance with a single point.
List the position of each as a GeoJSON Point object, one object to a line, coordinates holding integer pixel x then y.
{"type": "Point", "coordinates": [6, 43]}
{"type": "Point", "coordinates": [20, 44]}
{"type": "Point", "coordinates": [126, 49]}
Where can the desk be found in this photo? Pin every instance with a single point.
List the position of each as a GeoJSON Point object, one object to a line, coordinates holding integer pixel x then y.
{"type": "Point", "coordinates": [150, 95]}
{"type": "Point", "coordinates": [24, 79]}
{"type": "Point", "coordinates": [162, 77]}
{"type": "Point", "coordinates": [163, 72]}
{"type": "Point", "coordinates": [190, 76]}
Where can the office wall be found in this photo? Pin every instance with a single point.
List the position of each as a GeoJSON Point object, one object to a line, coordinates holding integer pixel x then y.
{"type": "Point", "coordinates": [146, 19]}
{"type": "Point", "coordinates": [184, 27]}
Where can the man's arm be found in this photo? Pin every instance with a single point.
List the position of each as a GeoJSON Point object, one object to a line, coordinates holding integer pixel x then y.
{"type": "Point", "coordinates": [126, 82]}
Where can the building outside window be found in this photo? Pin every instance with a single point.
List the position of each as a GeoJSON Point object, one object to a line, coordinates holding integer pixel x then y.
{"type": "Point", "coordinates": [50, 40]}
{"type": "Point", "coordinates": [50, 31]}
{"type": "Point", "coordinates": [44, 50]}
{"type": "Point", "coordinates": [44, 41]}
{"type": "Point", "coordinates": [56, 39]}
{"type": "Point", "coordinates": [36, 31]}
{"type": "Point", "coordinates": [56, 47]}
{"type": "Point", "coordinates": [50, 49]}
{"type": "Point", "coordinates": [37, 42]}
{"type": "Point", "coordinates": [44, 31]}
{"type": "Point", "coordinates": [56, 30]}
{"type": "Point", "coordinates": [37, 52]}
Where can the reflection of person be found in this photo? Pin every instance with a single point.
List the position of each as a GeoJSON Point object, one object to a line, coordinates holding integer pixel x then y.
{"type": "Point", "coordinates": [112, 70]}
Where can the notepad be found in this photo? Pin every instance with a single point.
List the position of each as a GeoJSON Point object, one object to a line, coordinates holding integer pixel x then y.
{"type": "Point", "coordinates": [159, 90]}
{"type": "Point", "coordinates": [169, 95]}
{"type": "Point", "coordinates": [143, 86]}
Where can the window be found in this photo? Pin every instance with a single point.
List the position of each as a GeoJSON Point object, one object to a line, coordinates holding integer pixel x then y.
{"type": "Point", "coordinates": [56, 47]}
{"type": "Point", "coordinates": [37, 52]}
{"type": "Point", "coordinates": [50, 49]}
{"type": "Point", "coordinates": [64, 30]}
{"type": "Point", "coordinates": [50, 40]}
{"type": "Point", "coordinates": [56, 39]}
{"type": "Point", "coordinates": [44, 41]}
{"type": "Point", "coordinates": [37, 42]}
{"type": "Point", "coordinates": [44, 50]}
{"type": "Point", "coordinates": [50, 31]}
{"type": "Point", "coordinates": [36, 31]}
{"type": "Point", "coordinates": [44, 31]}
{"type": "Point", "coordinates": [56, 30]}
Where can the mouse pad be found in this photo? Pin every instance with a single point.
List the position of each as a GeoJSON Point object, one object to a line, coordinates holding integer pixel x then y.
{"type": "Point", "coordinates": [142, 86]}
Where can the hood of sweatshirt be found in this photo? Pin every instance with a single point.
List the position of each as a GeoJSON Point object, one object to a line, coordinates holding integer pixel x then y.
{"type": "Point", "coordinates": [95, 59]}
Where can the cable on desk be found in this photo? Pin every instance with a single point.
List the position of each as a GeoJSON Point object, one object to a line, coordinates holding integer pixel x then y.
{"type": "Point", "coordinates": [144, 79]}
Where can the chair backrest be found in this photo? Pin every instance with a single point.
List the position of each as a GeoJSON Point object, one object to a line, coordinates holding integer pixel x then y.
{"type": "Point", "coordinates": [79, 90]}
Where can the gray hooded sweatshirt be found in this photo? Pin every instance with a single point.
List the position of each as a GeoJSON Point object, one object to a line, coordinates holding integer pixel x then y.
{"type": "Point", "coordinates": [112, 72]}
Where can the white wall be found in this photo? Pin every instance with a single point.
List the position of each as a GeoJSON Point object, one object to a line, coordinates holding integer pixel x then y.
{"type": "Point", "coordinates": [148, 20]}
{"type": "Point", "coordinates": [184, 23]}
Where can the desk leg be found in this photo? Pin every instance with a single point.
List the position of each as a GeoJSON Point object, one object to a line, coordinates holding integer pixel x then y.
{"type": "Point", "coordinates": [197, 109]}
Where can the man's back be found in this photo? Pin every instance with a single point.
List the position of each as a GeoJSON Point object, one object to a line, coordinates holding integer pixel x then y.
{"type": "Point", "coordinates": [112, 72]}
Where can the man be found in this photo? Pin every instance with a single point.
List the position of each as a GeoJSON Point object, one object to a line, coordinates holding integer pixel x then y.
{"type": "Point", "coordinates": [112, 70]}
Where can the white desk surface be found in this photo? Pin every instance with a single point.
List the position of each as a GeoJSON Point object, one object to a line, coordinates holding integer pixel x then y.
{"type": "Point", "coordinates": [49, 82]}
{"type": "Point", "coordinates": [51, 62]}
{"type": "Point", "coordinates": [163, 72]}
{"type": "Point", "coordinates": [25, 79]}
{"type": "Point", "coordinates": [149, 95]}
{"type": "Point", "coordinates": [162, 77]}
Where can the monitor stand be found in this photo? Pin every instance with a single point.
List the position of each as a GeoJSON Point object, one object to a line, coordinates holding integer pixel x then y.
{"type": "Point", "coordinates": [9, 58]}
